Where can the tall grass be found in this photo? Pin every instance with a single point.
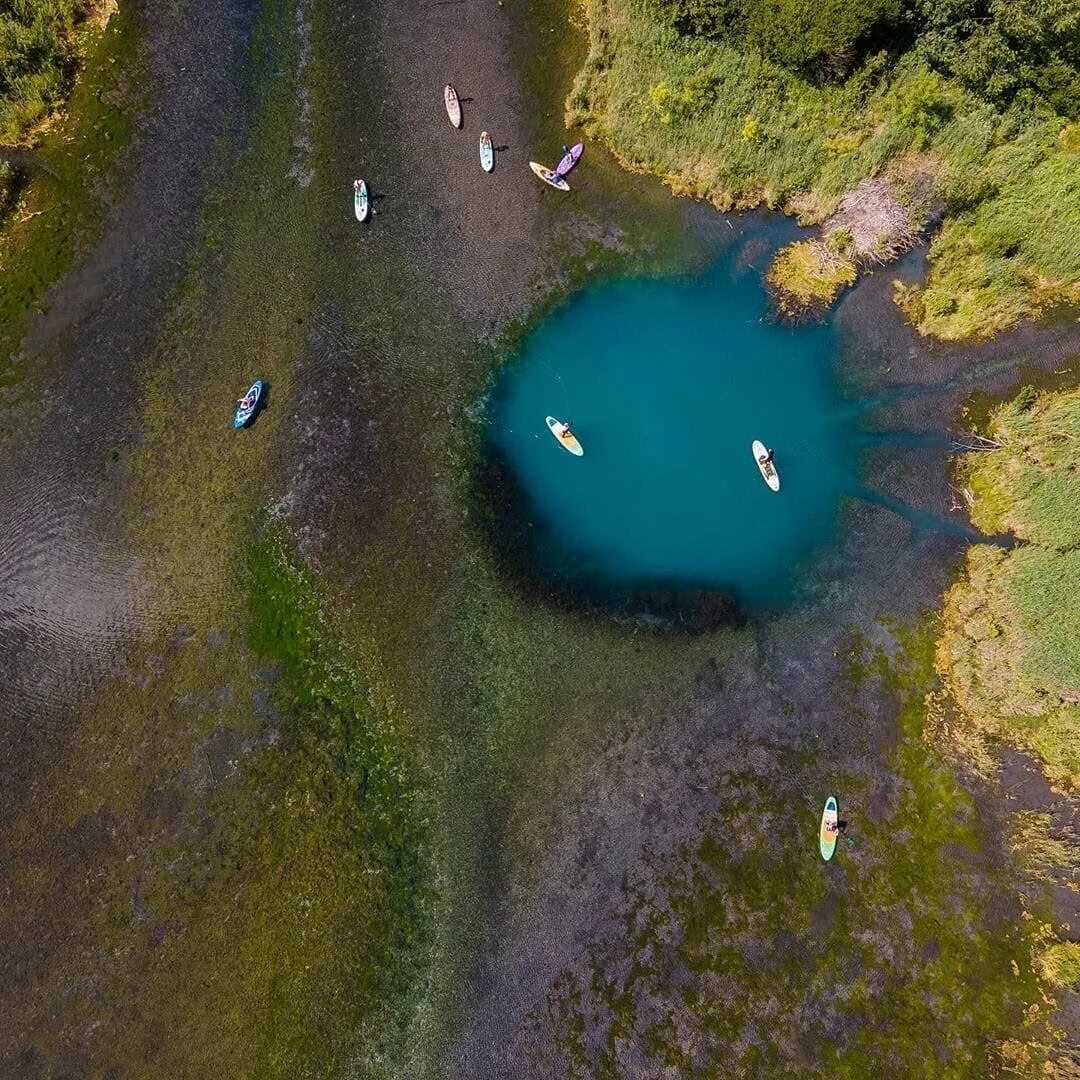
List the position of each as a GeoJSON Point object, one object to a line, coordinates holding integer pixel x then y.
{"type": "Point", "coordinates": [720, 121]}
{"type": "Point", "coordinates": [1030, 487]}
{"type": "Point", "coordinates": [1011, 650]}
{"type": "Point", "coordinates": [37, 56]}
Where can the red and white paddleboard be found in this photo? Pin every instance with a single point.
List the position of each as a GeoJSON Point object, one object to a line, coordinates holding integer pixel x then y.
{"type": "Point", "coordinates": [453, 105]}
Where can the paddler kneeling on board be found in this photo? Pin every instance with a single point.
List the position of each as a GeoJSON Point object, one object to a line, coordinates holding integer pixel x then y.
{"type": "Point", "coordinates": [839, 828]}
{"type": "Point", "coordinates": [564, 431]}
{"type": "Point", "coordinates": [765, 460]}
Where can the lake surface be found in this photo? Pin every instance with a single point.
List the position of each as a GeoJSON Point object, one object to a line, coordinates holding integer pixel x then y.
{"type": "Point", "coordinates": [668, 381]}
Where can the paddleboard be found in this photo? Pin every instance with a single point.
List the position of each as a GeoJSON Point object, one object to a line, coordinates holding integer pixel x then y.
{"type": "Point", "coordinates": [361, 203]}
{"type": "Point", "coordinates": [570, 444]}
{"type": "Point", "coordinates": [487, 152]}
{"type": "Point", "coordinates": [244, 413]}
{"type": "Point", "coordinates": [548, 176]}
{"type": "Point", "coordinates": [827, 837]}
{"type": "Point", "coordinates": [570, 159]}
{"type": "Point", "coordinates": [453, 105]}
{"type": "Point", "coordinates": [768, 471]}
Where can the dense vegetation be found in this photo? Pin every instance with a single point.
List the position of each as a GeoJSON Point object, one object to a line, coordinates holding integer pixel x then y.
{"type": "Point", "coordinates": [37, 57]}
{"type": "Point", "coordinates": [827, 33]}
{"type": "Point", "coordinates": [968, 106]}
{"type": "Point", "coordinates": [998, 49]}
{"type": "Point", "coordinates": [1011, 653]}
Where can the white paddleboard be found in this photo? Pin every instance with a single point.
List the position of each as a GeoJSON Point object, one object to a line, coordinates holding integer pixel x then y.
{"type": "Point", "coordinates": [361, 200]}
{"type": "Point", "coordinates": [487, 152]}
{"type": "Point", "coordinates": [768, 472]}
{"type": "Point", "coordinates": [453, 105]}
{"type": "Point", "coordinates": [568, 442]}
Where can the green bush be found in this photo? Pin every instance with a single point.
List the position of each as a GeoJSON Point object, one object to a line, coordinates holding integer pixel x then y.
{"type": "Point", "coordinates": [924, 104]}
{"type": "Point", "coordinates": [1006, 49]}
{"type": "Point", "coordinates": [822, 38]}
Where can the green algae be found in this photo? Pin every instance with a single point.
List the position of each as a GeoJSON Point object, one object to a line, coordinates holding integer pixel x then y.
{"type": "Point", "coordinates": [341, 800]}
{"type": "Point", "coordinates": [260, 893]}
{"type": "Point", "coordinates": [275, 904]}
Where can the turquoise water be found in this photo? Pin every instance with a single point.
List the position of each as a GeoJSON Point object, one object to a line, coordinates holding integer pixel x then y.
{"type": "Point", "coordinates": [667, 382]}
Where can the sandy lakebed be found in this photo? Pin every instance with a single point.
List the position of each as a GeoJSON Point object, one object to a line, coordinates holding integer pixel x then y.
{"type": "Point", "coordinates": [300, 776]}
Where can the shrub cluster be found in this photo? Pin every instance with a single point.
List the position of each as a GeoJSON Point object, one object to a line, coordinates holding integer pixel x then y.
{"type": "Point", "coordinates": [1004, 50]}
{"type": "Point", "coordinates": [999, 49]}
{"type": "Point", "coordinates": [820, 38]}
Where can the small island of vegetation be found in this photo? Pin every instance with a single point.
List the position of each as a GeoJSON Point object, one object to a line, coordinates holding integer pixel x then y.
{"type": "Point", "coordinates": [964, 113]}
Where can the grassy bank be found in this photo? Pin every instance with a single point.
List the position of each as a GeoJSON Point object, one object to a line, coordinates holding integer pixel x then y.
{"type": "Point", "coordinates": [40, 50]}
{"type": "Point", "coordinates": [56, 197]}
{"type": "Point", "coordinates": [1010, 652]}
{"type": "Point", "coordinates": [722, 116]}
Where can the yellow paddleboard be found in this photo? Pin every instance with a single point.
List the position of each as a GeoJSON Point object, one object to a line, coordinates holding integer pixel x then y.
{"type": "Point", "coordinates": [568, 442]}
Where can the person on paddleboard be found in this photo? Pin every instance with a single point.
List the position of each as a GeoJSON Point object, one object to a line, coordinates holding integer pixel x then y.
{"type": "Point", "coordinates": [564, 430]}
{"type": "Point", "coordinates": [246, 401]}
{"type": "Point", "coordinates": [839, 828]}
{"type": "Point", "coordinates": [766, 458]}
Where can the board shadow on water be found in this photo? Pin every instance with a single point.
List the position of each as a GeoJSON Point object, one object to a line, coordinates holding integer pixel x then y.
{"type": "Point", "coordinates": [668, 381]}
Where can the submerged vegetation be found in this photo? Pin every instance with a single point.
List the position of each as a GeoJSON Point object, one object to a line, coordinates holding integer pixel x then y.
{"type": "Point", "coordinates": [341, 816]}
{"type": "Point", "coordinates": [1011, 650]}
{"type": "Point", "coordinates": [752, 959]}
{"type": "Point", "coordinates": [970, 108]}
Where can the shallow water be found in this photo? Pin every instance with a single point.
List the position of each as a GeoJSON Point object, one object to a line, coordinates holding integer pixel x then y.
{"type": "Point", "coordinates": [668, 381]}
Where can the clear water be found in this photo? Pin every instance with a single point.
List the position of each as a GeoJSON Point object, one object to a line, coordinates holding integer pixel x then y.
{"type": "Point", "coordinates": [667, 382]}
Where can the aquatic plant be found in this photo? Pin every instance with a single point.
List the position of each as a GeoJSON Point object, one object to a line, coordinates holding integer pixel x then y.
{"type": "Point", "coordinates": [809, 274]}
{"type": "Point", "coordinates": [1061, 965]}
{"type": "Point", "coordinates": [744, 955]}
